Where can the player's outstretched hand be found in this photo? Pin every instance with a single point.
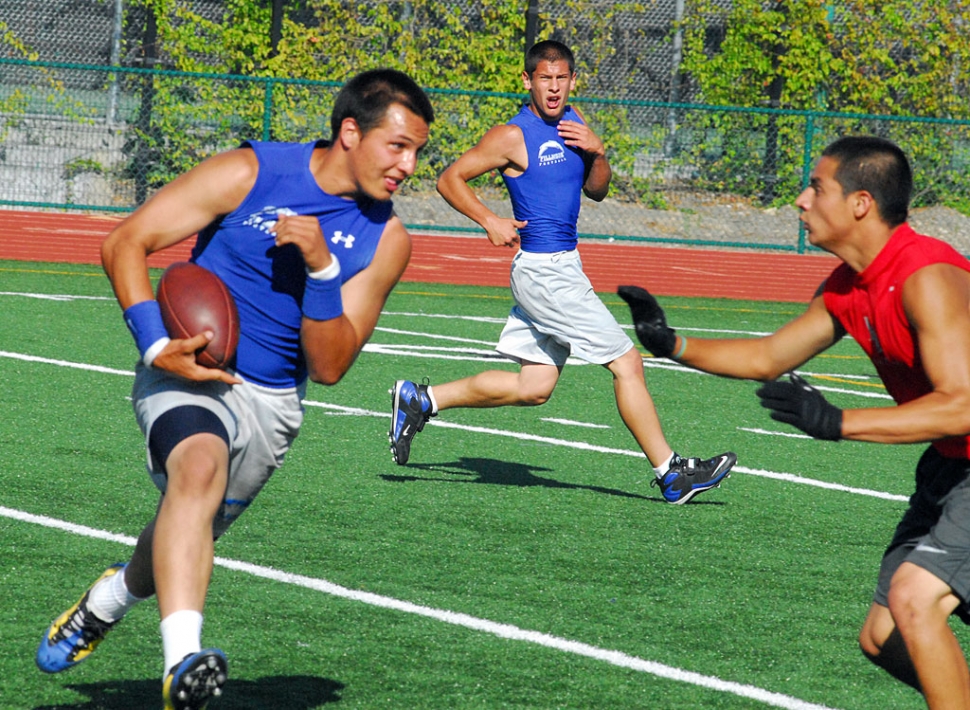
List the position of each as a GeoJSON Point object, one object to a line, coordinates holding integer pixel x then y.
{"type": "Point", "coordinates": [798, 403]}
{"type": "Point", "coordinates": [649, 321]}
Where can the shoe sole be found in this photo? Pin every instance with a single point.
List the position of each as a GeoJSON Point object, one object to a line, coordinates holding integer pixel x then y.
{"type": "Point", "coordinates": [715, 483]}
{"type": "Point", "coordinates": [400, 452]}
{"type": "Point", "coordinates": [196, 685]}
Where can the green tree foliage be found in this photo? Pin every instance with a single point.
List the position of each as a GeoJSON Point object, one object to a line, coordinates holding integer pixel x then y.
{"type": "Point", "coordinates": [885, 57]}
{"type": "Point", "coordinates": [441, 48]}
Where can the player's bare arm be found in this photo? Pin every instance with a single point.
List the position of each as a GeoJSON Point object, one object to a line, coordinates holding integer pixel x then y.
{"type": "Point", "coordinates": [768, 357]}
{"type": "Point", "coordinates": [937, 303]}
{"type": "Point", "coordinates": [175, 213]}
{"type": "Point", "coordinates": [598, 171]}
{"type": "Point", "coordinates": [501, 148]}
{"type": "Point", "coordinates": [332, 346]}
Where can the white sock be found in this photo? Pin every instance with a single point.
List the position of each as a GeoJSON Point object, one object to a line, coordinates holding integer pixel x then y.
{"type": "Point", "coordinates": [660, 470]}
{"type": "Point", "coordinates": [181, 635]}
{"type": "Point", "coordinates": [110, 599]}
{"type": "Point", "coordinates": [434, 404]}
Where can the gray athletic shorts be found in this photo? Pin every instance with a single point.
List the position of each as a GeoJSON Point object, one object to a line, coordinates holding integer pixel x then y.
{"type": "Point", "coordinates": [557, 314]}
{"type": "Point", "coordinates": [934, 533]}
{"type": "Point", "coordinates": [261, 423]}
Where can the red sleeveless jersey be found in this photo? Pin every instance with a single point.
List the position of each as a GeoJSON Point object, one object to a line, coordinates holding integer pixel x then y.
{"type": "Point", "coordinates": [869, 305]}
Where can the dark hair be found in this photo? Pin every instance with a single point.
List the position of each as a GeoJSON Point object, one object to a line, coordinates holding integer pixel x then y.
{"type": "Point", "coordinates": [551, 51]}
{"type": "Point", "coordinates": [879, 167]}
{"type": "Point", "coordinates": [367, 96]}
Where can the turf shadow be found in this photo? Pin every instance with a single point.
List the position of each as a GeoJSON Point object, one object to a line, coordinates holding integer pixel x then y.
{"type": "Point", "coordinates": [504, 473]}
{"type": "Point", "coordinates": [297, 692]}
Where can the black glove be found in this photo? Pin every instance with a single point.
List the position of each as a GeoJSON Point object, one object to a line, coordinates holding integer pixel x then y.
{"type": "Point", "coordinates": [649, 321]}
{"type": "Point", "coordinates": [801, 405]}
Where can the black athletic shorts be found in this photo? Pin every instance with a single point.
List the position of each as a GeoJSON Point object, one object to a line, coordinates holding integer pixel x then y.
{"type": "Point", "coordinates": [934, 533]}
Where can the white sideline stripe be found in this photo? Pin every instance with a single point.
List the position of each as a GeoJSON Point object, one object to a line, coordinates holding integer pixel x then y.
{"type": "Point", "coordinates": [56, 296]}
{"type": "Point", "coordinates": [570, 422]}
{"type": "Point", "coordinates": [766, 432]}
{"type": "Point", "coordinates": [441, 353]}
{"type": "Point", "coordinates": [450, 338]}
{"type": "Point", "coordinates": [477, 319]}
{"type": "Point", "coordinates": [791, 477]}
{"type": "Point", "coordinates": [65, 363]}
{"type": "Point", "coordinates": [506, 631]}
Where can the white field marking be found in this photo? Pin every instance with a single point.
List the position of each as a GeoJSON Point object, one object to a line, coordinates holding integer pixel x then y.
{"type": "Point", "coordinates": [449, 338]}
{"type": "Point", "coordinates": [819, 484]}
{"type": "Point", "coordinates": [505, 631]}
{"type": "Point", "coordinates": [840, 375]}
{"type": "Point", "coordinates": [664, 364]}
{"type": "Point", "coordinates": [570, 422]}
{"type": "Point", "coordinates": [65, 363]}
{"type": "Point", "coordinates": [406, 347]}
{"type": "Point", "coordinates": [477, 319]}
{"type": "Point", "coordinates": [56, 297]}
{"type": "Point", "coordinates": [437, 353]}
{"type": "Point", "coordinates": [442, 353]}
{"type": "Point", "coordinates": [767, 432]}
{"type": "Point", "coordinates": [870, 395]}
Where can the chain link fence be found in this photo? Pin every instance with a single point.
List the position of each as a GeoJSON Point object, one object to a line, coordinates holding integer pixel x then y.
{"type": "Point", "coordinates": [99, 120]}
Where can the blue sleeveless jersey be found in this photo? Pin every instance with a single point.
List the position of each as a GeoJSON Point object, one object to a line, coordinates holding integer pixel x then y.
{"type": "Point", "coordinates": [268, 281]}
{"type": "Point", "coordinates": [547, 193]}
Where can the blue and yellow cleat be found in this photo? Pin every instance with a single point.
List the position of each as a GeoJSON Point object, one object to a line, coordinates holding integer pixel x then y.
{"type": "Point", "coordinates": [687, 477]}
{"type": "Point", "coordinates": [75, 634]}
{"type": "Point", "coordinates": [196, 678]}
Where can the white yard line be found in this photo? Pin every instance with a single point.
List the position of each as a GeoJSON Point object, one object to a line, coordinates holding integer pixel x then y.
{"type": "Point", "coordinates": [506, 631]}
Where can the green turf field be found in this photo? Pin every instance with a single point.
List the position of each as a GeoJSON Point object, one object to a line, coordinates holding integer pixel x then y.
{"type": "Point", "coordinates": [520, 560]}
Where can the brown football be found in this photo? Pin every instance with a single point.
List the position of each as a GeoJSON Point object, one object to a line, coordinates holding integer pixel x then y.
{"type": "Point", "coordinates": [193, 300]}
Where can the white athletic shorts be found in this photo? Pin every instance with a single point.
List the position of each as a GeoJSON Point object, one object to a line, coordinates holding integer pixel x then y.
{"type": "Point", "coordinates": [261, 422]}
{"type": "Point", "coordinates": [557, 314]}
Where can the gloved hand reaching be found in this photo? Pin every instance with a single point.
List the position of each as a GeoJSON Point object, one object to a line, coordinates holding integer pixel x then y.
{"type": "Point", "coordinates": [798, 403]}
{"type": "Point", "coordinates": [649, 321]}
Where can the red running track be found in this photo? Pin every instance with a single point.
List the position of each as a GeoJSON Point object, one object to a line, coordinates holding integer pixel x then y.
{"type": "Point", "coordinates": [665, 271]}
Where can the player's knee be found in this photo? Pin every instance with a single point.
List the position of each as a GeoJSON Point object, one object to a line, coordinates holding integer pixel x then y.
{"type": "Point", "coordinates": [868, 645]}
{"type": "Point", "coordinates": [535, 399]}
{"type": "Point", "coordinates": [628, 365]}
{"type": "Point", "coordinates": [535, 394]}
{"type": "Point", "coordinates": [909, 605]}
{"type": "Point", "coordinates": [176, 446]}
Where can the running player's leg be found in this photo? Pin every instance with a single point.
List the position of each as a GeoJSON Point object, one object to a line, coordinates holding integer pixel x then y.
{"type": "Point", "coordinates": [532, 385]}
{"type": "Point", "coordinates": [183, 547]}
{"type": "Point", "coordinates": [636, 406]}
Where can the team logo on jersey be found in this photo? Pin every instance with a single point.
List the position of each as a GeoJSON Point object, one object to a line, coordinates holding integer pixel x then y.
{"type": "Point", "coordinates": [551, 152]}
{"type": "Point", "coordinates": [266, 218]}
{"type": "Point", "coordinates": [338, 237]}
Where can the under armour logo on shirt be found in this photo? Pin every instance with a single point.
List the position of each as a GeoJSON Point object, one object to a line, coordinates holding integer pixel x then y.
{"type": "Point", "coordinates": [338, 237]}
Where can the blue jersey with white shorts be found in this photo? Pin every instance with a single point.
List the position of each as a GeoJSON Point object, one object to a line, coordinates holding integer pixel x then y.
{"type": "Point", "coordinates": [267, 281]}
{"type": "Point", "coordinates": [262, 416]}
{"type": "Point", "coordinates": [547, 194]}
{"type": "Point", "coordinates": [556, 313]}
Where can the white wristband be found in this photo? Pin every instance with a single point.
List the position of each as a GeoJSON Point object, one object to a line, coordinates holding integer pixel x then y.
{"type": "Point", "coordinates": [328, 273]}
{"type": "Point", "coordinates": [154, 350]}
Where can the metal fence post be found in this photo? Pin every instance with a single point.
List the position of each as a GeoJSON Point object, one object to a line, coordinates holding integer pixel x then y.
{"type": "Point", "coordinates": [806, 172]}
{"type": "Point", "coordinates": [267, 109]}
